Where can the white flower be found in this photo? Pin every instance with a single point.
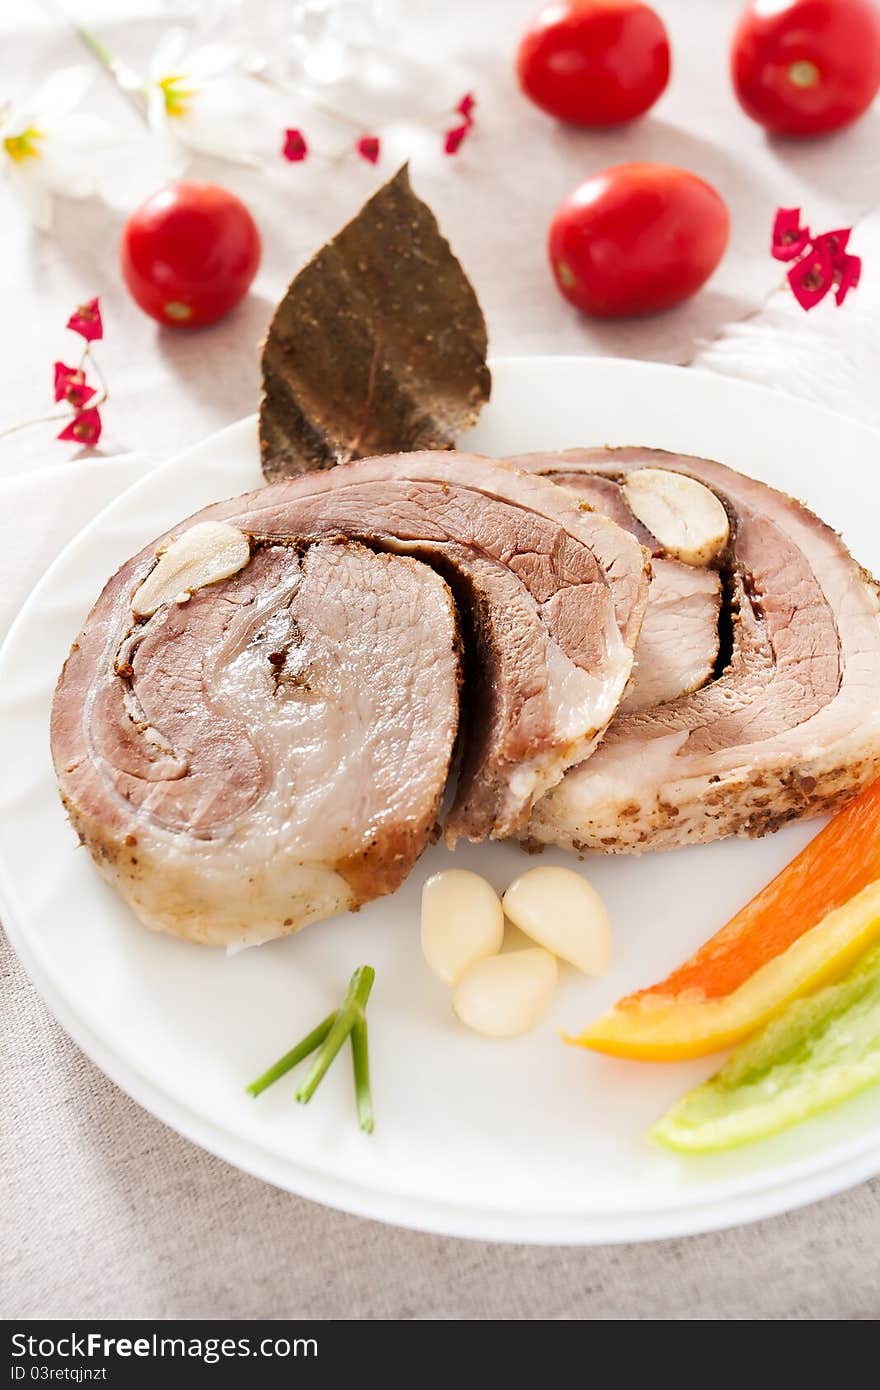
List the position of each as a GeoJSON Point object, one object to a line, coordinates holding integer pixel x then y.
{"type": "Point", "coordinates": [197, 101]}
{"type": "Point", "coordinates": [44, 144]}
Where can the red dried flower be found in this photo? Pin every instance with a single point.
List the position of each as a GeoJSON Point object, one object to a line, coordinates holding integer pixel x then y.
{"type": "Point", "coordinates": [789, 237]}
{"type": "Point", "coordinates": [71, 385]}
{"type": "Point", "coordinates": [368, 147]}
{"type": "Point", "coordinates": [847, 273]}
{"type": "Point", "coordinates": [836, 242]}
{"type": "Point", "coordinates": [453, 139]}
{"type": "Point", "coordinates": [84, 428]}
{"type": "Point", "coordinates": [87, 322]}
{"type": "Point", "coordinates": [812, 277]}
{"type": "Point", "coordinates": [466, 106]}
{"type": "Point", "coordinates": [294, 147]}
{"type": "Point", "coordinates": [821, 262]}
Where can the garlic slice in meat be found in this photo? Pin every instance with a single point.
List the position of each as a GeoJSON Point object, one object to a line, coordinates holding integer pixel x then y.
{"type": "Point", "coordinates": [687, 518]}
{"type": "Point", "coordinates": [204, 554]}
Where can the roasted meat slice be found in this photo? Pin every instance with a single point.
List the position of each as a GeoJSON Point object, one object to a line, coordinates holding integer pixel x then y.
{"type": "Point", "coordinates": [551, 599]}
{"type": "Point", "coordinates": [254, 743]}
{"type": "Point", "coordinates": [271, 751]}
{"type": "Point", "coordinates": [790, 727]}
{"type": "Point", "coordinates": [678, 644]}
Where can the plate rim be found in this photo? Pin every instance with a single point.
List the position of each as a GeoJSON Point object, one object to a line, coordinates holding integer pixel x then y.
{"type": "Point", "coordinates": [758, 1201]}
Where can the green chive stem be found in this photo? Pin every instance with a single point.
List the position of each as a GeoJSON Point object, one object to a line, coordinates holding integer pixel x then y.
{"type": "Point", "coordinates": [361, 1059]}
{"type": "Point", "coordinates": [352, 1012]}
{"type": "Point", "coordinates": [293, 1057]}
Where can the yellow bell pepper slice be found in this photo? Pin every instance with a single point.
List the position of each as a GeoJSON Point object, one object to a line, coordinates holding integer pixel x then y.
{"type": "Point", "coordinates": [800, 932]}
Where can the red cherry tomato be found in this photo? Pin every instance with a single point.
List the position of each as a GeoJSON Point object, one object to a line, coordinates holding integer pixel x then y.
{"type": "Point", "coordinates": [594, 62]}
{"type": "Point", "coordinates": [189, 253]}
{"type": "Point", "coordinates": [637, 238]}
{"type": "Point", "coordinates": [802, 67]}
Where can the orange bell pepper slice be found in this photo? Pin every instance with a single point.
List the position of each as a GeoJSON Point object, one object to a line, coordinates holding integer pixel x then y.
{"type": "Point", "coordinates": [800, 932]}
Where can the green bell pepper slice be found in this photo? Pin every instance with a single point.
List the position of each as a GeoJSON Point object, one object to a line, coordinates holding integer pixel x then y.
{"type": "Point", "coordinates": [817, 1052]}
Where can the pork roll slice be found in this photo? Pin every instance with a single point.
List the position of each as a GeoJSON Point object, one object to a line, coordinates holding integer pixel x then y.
{"type": "Point", "coordinates": [678, 645]}
{"type": "Point", "coordinates": [791, 724]}
{"type": "Point", "coordinates": [271, 751]}
{"type": "Point", "coordinates": [256, 725]}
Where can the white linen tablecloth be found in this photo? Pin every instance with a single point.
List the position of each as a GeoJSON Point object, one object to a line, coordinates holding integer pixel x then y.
{"type": "Point", "coordinates": [105, 1212]}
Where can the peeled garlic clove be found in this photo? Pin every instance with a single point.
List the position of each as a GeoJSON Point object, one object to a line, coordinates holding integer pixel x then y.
{"type": "Point", "coordinates": [504, 996]}
{"type": "Point", "coordinates": [687, 518]}
{"type": "Point", "coordinates": [203, 555]}
{"type": "Point", "coordinates": [560, 910]}
{"type": "Point", "coordinates": [462, 922]}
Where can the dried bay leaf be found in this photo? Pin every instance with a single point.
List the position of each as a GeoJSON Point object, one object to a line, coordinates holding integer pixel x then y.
{"type": "Point", "coordinates": [378, 346]}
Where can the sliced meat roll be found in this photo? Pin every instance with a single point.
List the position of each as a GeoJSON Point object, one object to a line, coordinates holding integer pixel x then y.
{"type": "Point", "coordinates": [790, 727]}
{"type": "Point", "coordinates": [255, 728]}
{"type": "Point", "coordinates": [679, 641]}
{"type": "Point", "coordinates": [271, 751]}
{"type": "Point", "coordinates": [550, 595]}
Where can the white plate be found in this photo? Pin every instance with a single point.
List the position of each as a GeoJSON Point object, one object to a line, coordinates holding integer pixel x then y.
{"type": "Point", "coordinates": [524, 1140]}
